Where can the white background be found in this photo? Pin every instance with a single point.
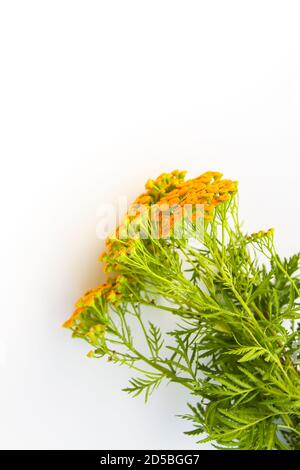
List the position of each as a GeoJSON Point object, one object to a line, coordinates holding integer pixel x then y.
{"type": "Point", "coordinates": [95, 98]}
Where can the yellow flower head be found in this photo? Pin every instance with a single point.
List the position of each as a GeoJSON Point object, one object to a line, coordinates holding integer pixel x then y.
{"type": "Point", "coordinates": [168, 190]}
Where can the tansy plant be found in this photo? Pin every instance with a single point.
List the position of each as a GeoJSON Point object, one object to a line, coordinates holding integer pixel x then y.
{"type": "Point", "coordinates": [235, 345]}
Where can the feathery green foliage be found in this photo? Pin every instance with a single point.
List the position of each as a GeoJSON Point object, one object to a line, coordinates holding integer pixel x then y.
{"type": "Point", "coordinates": [236, 343]}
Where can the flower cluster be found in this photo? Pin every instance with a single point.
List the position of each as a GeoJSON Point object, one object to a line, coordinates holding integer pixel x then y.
{"type": "Point", "coordinates": [262, 234]}
{"type": "Point", "coordinates": [112, 292]}
{"type": "Point", "coordinates": [168, 193]}
{"type": "Point", "coordinates": [208, 190]}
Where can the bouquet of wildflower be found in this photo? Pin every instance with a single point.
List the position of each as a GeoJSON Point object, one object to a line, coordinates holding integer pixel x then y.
{"type": "Point", "coordinates": [235, 346]}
